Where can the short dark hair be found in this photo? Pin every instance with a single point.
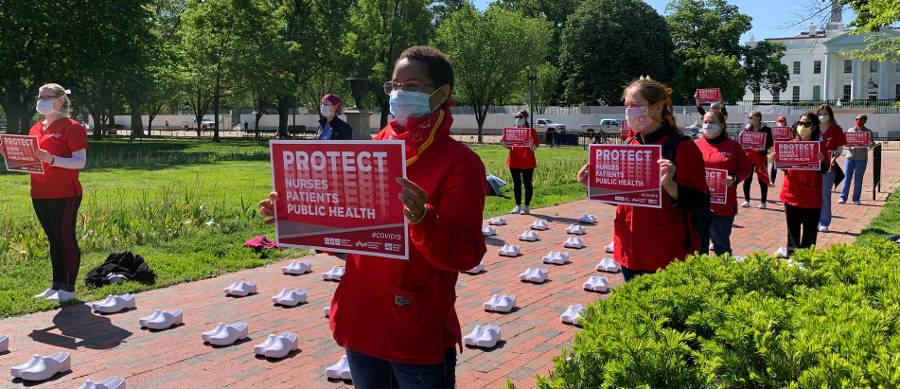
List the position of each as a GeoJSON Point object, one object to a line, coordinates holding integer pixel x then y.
{"type": "Point", "coordinates": [439, 67]}
{"type": "Point", "coordinates": [863, 118]}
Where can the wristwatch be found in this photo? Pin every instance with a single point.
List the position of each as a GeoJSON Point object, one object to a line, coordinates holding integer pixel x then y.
{"type": "Point", "coordinates": [53, 160]}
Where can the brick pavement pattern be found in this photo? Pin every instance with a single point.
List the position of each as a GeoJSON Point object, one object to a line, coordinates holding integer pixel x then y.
{"type": "Point", "coordinates": [105, 345]}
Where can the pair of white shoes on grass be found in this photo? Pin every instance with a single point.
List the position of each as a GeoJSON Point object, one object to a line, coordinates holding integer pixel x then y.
{"type": "Point", "coordinates": [339, 370]}
{"type": "Point", "coordinates": [241, 289]}
{"type": "Point", "coordinates": [113, 304]}
{"type": "Point", "coordinates": [529, 236]}
{"type": "Point", "coordinates": [334, 274]}
{"type": "Point", "coordinates": [588, 219]}
{"type": "Point", "coordinates": [483, 336]}
{"type": "Point", "coordinates": [109, 383]}
{"type": "Point", "coordinates": [488, 231]}
{"type": "Point", "coordinates": [574, 242]}
{"type": "Point", "coordinates": [290, 297]}
{"type": "Point", "coordinates": [576, 229]}
{"type": "Point", "coordinates": [500, 303]}
{"type": "Point", "coordinates": [597, 284]}
{"type": "Point", "coordinates": [572, 314]}
{"type": "Point", "coordinates": [40, 368]}
{"type": "Point", "coordinates": [508, 250]}
{"type": "Point", "coordinates": [609, 265]}
{"type": "Point", "coordinates": [297, 268]}
{"type": "Point", "coordinates": [277, 346]}
{"type": "Point", "coordinates": [224, 335]}
{"type": "Point", "coordinates": [161, 320]}
{"type": "Point", "coordinates": [497, 221]}
{"type": "Point", "coordinates": [556, 258]}
{"type": "Point", "coordinates": [477, 269]}
{"type": "Point", "coordinates": [55, 295]}
{"type": "Point", "coordinates": [540, 225]}
{"type": "Point", "coordinates": [535, 275]}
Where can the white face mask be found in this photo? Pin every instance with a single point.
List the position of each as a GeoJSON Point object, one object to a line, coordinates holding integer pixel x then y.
{"type": "Point", "coordinates": [45, 107]}
{"type": "Point", "coordinates": [823, 118]}
{"type": "Point", "coordinates": [710, 130]}
{"type": "Point", "coordinates": [405, 105]}
{"type": "Point", "coordinates": [519, 121]}
{"type": "Point", "coordinates": [326, 110]}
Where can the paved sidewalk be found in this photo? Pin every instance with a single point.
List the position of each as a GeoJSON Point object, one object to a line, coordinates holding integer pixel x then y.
{"type": "Point", "coordinates": [105, 345]}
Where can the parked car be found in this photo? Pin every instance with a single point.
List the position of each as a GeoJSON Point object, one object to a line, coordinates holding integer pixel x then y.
{"type": "Point", "coordinates": [606, 125]}
{"type": "Point", "coordinates": [205, 123]}
{"type": "Point", "coordinates": [542, 125]}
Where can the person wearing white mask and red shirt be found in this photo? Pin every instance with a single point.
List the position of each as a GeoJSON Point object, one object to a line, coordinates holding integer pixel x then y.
{"type": "Point", "coordinates": [56, 194]}
{"type": "Point", "coordinates": [833, 140]}
{"type": "Point", "coordinates": [521, 163]}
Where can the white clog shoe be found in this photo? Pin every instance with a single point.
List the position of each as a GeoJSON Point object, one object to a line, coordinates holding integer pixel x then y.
{"type": "Point", "coordinates": [161, 320]}
{"type": "Point", "coordinates": [535, 275]}
{"type": "Point", "coordinates": [540, 225]}
{"type": "Point", "coordinates": [227, 335]}
{"type": "Point", "coordinates": [4, 343]}
{"type": "Point", "coordinates": [488, 231]}
{"type": "Point", "coordinates": [109, 383]}
{"type": "Point", "coordinates": [556, 258]}
{"type": "Point", "coordinates": [610, 248]}
{"type": "Point", "coordinates": [297, 268]}
{"type": "Point", "coordinates": [529, 236]}
{"type": "Point", "coordinates": [575, 229]}
{"type": "Point", "coordinates": [241, 289]}
{"type": "Point", "coordinates": [16, 371]}
{"type": "Point", "coordinates": [609, 265]}
{"type": "Point", "coordinates": [597, 284]}
{"type": "Point", "coordinates": [588, 219]}
{"type": "Point", "coordinates": [500, 303]}
{"type": "Point", "coordinates": [277, 347]}
{"type": "Point", "coordinates": [334, 274]}
{"type": "Point", "coordinates": [477, 269]}
{"type": "Point", "coordinates": [113, 304]}
{"type": "Point", "coordinates": [508, 250]}
{"type": "Point", "coordinates": [43, 368]}
{"type": "Point", "coordinates": [497, 221]}
{"type": "Point", "coordinates": [290, 297]}
{"type": "Point", "coordinates": [574, 242]}
{"type": "Point", "coordinates": [489, 337]}
{"type": "Point", "coordinates": [339, 370]}
{"type": "Point", "coordinates": [572, 314]}
{"type": "Point", "coordinates": [472, 338]}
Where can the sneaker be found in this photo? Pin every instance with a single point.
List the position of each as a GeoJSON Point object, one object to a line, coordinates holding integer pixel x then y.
{"type": "Point", "coordinates": [61, 296]}
{"type": "Point", "coordinates": [517, 209]}
{"type": "Point", "coordinates": [782, 252]}
{"type": "Point", "coordinates": [857, 203]}
{"type": "Point", "coordinates": [823, 228]}
{"type": "Point", "coordinates": [841, 201]}
{"type": "Point", "coordinates": [610, 248]}
{"type": "Point", "coordinates": [745, 204]}
{"type": "Point", "coordinates": [762, 205]}
{"type": "Point", "coordinates": [47, 293]}
{"type": "Point", "coordinates": [525, 210]}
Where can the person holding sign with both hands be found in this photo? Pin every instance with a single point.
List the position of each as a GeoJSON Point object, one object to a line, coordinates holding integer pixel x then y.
{"type": "Point", "coordinates": [759, 160]}
{"type": "Point", "coordinates": [396, 318]}
{"type": "Point", "coordinates": [521, 163]}
{"type": "Point", "coordinates": [855, 163]}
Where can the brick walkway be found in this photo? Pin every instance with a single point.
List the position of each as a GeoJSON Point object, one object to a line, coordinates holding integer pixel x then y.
{"type": "Point", "coordinates": [107, 345]}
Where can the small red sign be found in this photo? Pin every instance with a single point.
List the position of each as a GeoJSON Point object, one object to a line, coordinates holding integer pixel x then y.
{"type": "Point", "coordinates": [753, 140]}
{"type": "Point", "coordinates": [516, 137]}
{"type": "Point", "coordinates": [625, 174]}
{"type": "Point", "coordinates": [858, 139]}
{"type": "Point", "coordinates": [715, 180]}
{"type": "Point", "coordinates": [781, 133]}
{"type": "Point", "coordinates": [21, 154]}
{"type": "Point", "coordinates": [709, 95]}
{"type": "Point", "coordinates": [797, 155]}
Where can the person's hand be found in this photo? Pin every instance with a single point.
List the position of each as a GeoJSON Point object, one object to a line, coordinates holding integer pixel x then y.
{"type": "Point", "coordinates": [666, 171]}
{"type": "Point", "coordinates": [772, 156]}
{"type": "Point", "coordinates": [582, 175]}
{"type": "Point", "coordinates": [697, 97]}
{"type": "Point", "coordinates": [821, 157]}
{"type": "Point", "coordinates": [729, 181]}
{"type": "Point", "coordinates": [43, 155]}
{"type": "Point", "coordinates": [414, 199]}
{"type": "Point", "coordinates": [267, 208]}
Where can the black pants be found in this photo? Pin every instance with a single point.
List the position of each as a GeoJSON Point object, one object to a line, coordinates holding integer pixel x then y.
{"type": "Point", "coordinates": [629, 274]}
{"type": "Point", "coordinates": [522, 176]}
{"type": "Point", "coordinates": [772, 174]}
{"type": "Point", "coordinates": [763, 186]}
{"type": "Point", "coordinates": [808, 219]}
{"type": "Point", "coordinates": [58, 218]}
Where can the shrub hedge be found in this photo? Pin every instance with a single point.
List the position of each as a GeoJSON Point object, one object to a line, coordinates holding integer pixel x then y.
{"type": "Point", "coordinates": [829, 320]}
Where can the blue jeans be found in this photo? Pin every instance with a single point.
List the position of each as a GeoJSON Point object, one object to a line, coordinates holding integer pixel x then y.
{"type": "Point", "coordinates": [720, 233]}
{"type": "Point", "coordinates": [854, 171]}
{"type": "Point", "coordinates": [827, 184]}
{"type": "Point", "coordinates": [370, 372]}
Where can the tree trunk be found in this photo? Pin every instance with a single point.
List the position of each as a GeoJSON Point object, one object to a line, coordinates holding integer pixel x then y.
{"type": "Point", "coordinates": [17, 118]}
{"type": "Point", "coordinates": [385, 110]}
{"type": "Point", "coordinates": [137, 125]}
{"type": "Point", "coordinates": [216, 108]}
{"type": "Point", "coordinates": [284, 106]}
{"type": "Point", "coordinates": [480, 115]}
{"type": "Point", "coordinates": [257, 116]}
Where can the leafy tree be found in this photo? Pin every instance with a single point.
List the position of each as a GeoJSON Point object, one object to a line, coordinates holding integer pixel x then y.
{"type": "Point", "coordinates": [163, 68]}
{"type": "Point", "coordinates": [764, 68]}
{"type": "Point", "coordinates": [872, 16]}
{"type": "Point", "coordinates": [608, 43]}
{"type": "Point", "coordinates": [702, 69]}
{"type": "Point", "coordinates": [487, 53]}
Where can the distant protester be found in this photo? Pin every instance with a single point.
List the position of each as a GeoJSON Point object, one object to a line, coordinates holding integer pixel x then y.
{"type": "Point", "coordinates": [521, 163]}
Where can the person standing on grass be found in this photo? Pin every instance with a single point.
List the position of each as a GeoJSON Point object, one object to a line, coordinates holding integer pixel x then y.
{"type": "Point", "coordinates": [759, 159]}
{"type": "Point", "coordinates": [648, 239]}
{"type": "Point", "coordinates": [801, 193]}
{"type": "Point", "coordinates": [832, 140]}
{"type": "Point", "coordinates": [56, 194]}
{"type": "Point", "coordinates": [855, 164]}
{"type": "Point", "coordinates": [396, 318]}
{"type": "Point", "coordinates": [721, 152]}
{"type": "Point", "coordinates": [781, 122]}
{"type": "Point", "coordinates": [521, 163]}
{"type": "Point", "coordinates": [331, 127]}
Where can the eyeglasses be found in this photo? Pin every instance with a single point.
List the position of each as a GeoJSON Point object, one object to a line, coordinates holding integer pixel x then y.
{"type": "Point", "coordinates": [802, 123]}
{"type": "Point", "coordinates": [409, 86]}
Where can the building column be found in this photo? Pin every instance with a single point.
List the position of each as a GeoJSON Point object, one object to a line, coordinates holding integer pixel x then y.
{"type": "Point", "coordinates": [826, 84]}
{"type": "Point", "coordinates": [854, 80]}
{"type": "Point", "coordinates": [883, 80]}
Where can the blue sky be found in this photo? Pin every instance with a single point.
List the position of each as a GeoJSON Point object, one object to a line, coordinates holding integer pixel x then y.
{"type": "Point", "coordinates": [771, 18]}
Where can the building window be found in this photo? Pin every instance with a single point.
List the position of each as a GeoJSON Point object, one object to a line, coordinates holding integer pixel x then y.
{"type": "Point", "coordinates": [796, 67]}
{"type": "Point", "coordinates": [848, 66]}
{"type": "Point", "coordinates": [873, 66]}
{"type": "Point", "coordinates": [898, 67]}
{"type": "Point", "coordinates": [846, 93]}
{"type": "Point", "coordinates": [897, 92]}
{"type": "Point", "coordinates": [755, 96]}
{"type": "Point", "coordinates": [795, 93]}
{"type": "Point", "coordinates": [817, 67]}
{"type": "Point", "coordinates": [817, 92]}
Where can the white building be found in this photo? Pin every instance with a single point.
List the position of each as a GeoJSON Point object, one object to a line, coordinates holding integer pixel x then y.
{"type": "Point", "coordinates": [820, 69]}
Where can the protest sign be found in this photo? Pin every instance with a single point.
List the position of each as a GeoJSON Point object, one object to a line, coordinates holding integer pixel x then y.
{"type": "Point", "coordinates": [781, 133]}
{"type": "Point", "coordinates": [753, 140]}
{"type": "Point", "coordinates": [800, 155]}
{"type": "Point", "coordinates": [516, 137]}
{"type": "Point", "coordinates": [21, 154]}
{"type": "Point", "coordinates": [340, 196]}
{"type": "Point", "coordinates": [858, 139]}
{"type": "Point", "coordinates": [625, 174]}
{"type": "Point", "coordinates": [709, 95]}
{"type": "Point", "coordinates": [715, 180]}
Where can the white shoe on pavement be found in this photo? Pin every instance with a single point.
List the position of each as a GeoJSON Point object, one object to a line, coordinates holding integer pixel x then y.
{"type": "Point", "coordinates": [745, 204]}
{"type": "Point", "coordinates": [516, 210]}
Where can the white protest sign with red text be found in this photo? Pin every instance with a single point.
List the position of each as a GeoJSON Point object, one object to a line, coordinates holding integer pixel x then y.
{"type": "Point", "coordinates": [340, 196]}
{"type": "Point", "coordinates": [753, 140]}
{"type": "Point", "coordinates": [625, 174]}
{"type": "Point", "coordinates": [21, 154]}
{"type": "Point", "coordinates": [799, 155]}
{"type": "Point", "coordinates": [781, 133]}
{"type": "Point", "coordinates": [710, 95]}
{"type": "Point", "coordinates": [715, 180]}
{"type": "Point", "coordinates": [516, 137]}
{"type": "Point", "coordinates": [858, 139]}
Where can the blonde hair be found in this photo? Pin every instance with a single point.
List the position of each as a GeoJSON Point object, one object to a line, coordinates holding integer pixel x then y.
{"type": "Point", "coordinates": [720, 119]}
{"type": "Point", "coordinates": [655, 92]}
{"type": "Point", "coordinates": [59, 92]}
{"type": "Point", "coordinates": [756, 114]}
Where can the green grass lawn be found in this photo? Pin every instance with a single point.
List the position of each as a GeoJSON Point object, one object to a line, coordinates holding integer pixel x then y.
{"type": "Point", "coordinates": [886, 224]}
{"type": "Point", "coordinates": [187, 207]}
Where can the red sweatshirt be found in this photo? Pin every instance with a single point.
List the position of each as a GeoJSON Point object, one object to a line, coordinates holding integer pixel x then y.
{"type": "Point", "coordinates": [523, 157]}
{"type": "Point", "coordinates": [802, 188]}
{"type": "Point", "coordinates": [726, 153]}
{"type": "Point", "coordinates": [831, 140]}
{"type": "Point", "coordinates": [60, 138]}
{"type": "Point", "coordinates": [403, 311]}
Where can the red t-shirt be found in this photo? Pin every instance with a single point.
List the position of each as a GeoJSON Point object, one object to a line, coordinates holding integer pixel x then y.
{"type": "Point", "coordinates": [61, 138]}
{"type": "Point", "coordinates": [523, 157]}
{"type": "Point", "coordinates": [802, 188]}
{"type": "Point", "coordinates": [728, 155]}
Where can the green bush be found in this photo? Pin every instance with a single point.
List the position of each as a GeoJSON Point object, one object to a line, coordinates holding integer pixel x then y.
{"type": "Point", "coordinates": [833, 321]}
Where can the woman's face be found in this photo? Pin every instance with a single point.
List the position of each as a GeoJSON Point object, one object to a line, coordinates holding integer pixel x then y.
{"type": "Point", "coordinates": [50, 94]}
{"type": "Point", "coordinates": [412, 76]}
{"type": "Point", "coordinates": [805, 121]}
{"type": "Point", "coordinates": [330, 105]}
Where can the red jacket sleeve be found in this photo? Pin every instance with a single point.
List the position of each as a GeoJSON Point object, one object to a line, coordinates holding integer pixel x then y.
{"type": "Point", "coordinates": [450, 234]}
{"type": "Point", "coordinates": [743, 165]}
{"type": "Point", "coordinates": [690, 174]}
